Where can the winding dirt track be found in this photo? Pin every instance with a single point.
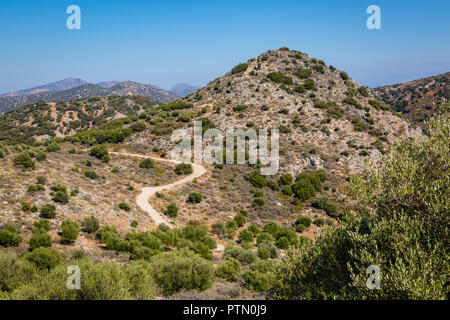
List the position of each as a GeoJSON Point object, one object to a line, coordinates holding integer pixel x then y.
{"type": "Point", "coordinates": [142, 200]}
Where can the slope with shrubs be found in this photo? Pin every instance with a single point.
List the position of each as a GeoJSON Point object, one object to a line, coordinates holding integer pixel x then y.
{"type": "Point", "coordinates": [402, 226]}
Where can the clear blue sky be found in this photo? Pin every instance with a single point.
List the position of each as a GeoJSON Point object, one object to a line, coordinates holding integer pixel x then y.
{"type": "Point", "coordinates": [165, 42]}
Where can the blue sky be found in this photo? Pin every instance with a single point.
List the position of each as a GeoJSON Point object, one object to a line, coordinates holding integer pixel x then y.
{"type": "Point", "coordinates": [166, 42]}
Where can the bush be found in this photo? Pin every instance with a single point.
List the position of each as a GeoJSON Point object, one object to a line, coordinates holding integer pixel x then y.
{"type": "Point", "coordinates": [285, 180]}
{"type": "Point", "coordinates": [229, 269]}
{"type": "Point", "coordinates": [100, 152]}
{"type": "Point", "coordinates": [9, 236]}
{"type": "Point", "coordinates": [61, 197]}
{"type": "Point", "coordinates": [24, 160]}
{"type": "Point", "coordinates": [91, 174]}
{"type": "Point", "coordinates": [344, 75]}
{"type": "Point", "coordinates": [240, 220]}
{"type": "Point", "coordinates": [327, 205]}
{"type": "Point", "coordinates": [183, 169]}
{"type": "Point", "coordinates": [124, 206]}
{"type": "Point", "coordinates": [70, 230]}
{"type": "Point", "coordinates": [257, 180]}
{"type": "Point", "coordinates": [253, 228]}
{"type": "Point", "coordinates": [242, 67]}
{"type": "Point", "coordinates": [195, 197]}
{"type": "Point", "coordinates": [218, 228]}
{"type": "Point", "coordinates": [48, 211]}
{"type": "Point", "coordinates": [242, 255]}
{"type": "Point", "coordinates": [303, 73]}
{"type": "Point", "coordinates": [264, 237]}
{"type": "Point", "coordinates": [230, 228]}
{"type": "Point", "coordinates": [41, 226]}
{"type": "Point", "coordinates": [147, 164]}
{"type": "Point", "coordinates": [246, 236]}
{"type": "Point", "coordinates": [272, 228]}
{"type": "Point", "coordinates": [283, 243]}
{"type": "Point", "coordinates": [279, 78]}
{"type": "Point", "coordinates": [304, 220]}
{"type": "Point", "coordinates": [90, 225]}
{"type": "Point", "coordinates": [172, 210]}
{"type": "Point", "coordinates": [267, 251]}
{"type": "Point", "coordinates": [41, 180]}
{"type": "Point", "coordinates": [40, 240]}
{"type": "Point", "coordinates": [309, 84]}
{"type": "Point", "coordinates": [260, 277]}
{"type": "Point", "coordinates": [181, 270]}
{"type": "Point", "coordinates": [35, 188]}
{"type": "Point", "coordinates": [259, 202]}
{"type": "Point", "coordinates": [45, 258]}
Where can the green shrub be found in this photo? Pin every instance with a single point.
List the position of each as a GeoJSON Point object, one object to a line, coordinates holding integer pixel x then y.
{"type": "Point", "coordinates": [240, 220]}
{"type": "Point", "coordinates": [309, 84]}
{"type": "Point", "coordinates": [363, 91]}
{"type": "Point", "coordinates": [42, 226]}
{"type": "Point", "coordinates": [70, 230]}
{"type": "Point", "coordinates": [304, 220]}
{"type": "Point", "coordinates": [229, 269]}
{"type": "Point", "coordinates": [35, 188]}
{"type": "Point", "coordinates": [267, 251]}
{"type": "Point", "coordinates": [124, 206]}
{"type": "Point", "coordinates": [90, 225]}
{"type": "Point", "coordinates": [183, 169]}
{"type": "Point", "coordinates": [327, 205]}
{"type": "Point", "coordinates": [285, 179]}
{"type": "Point", "coordinates": [91, 174]}
{"type": "Point", "coordinates": [147, 164]}
{"type": "Point", "coordinates": [195, 197]}
{"type": "Point", "coordinates": [45, 258]}
{"type": "Point", "coordinates": [9, 236]}
{"type": "Point", "coordinates": [40, 240]}
{"type": "Point", "coordinates": [181, 270]}
{"type": "Point", "coordinates": [344, 75]}
{"type": "Point", "coordinates": [41, 180]}
{"type": "Point", "coordinates": [260, 277]}
{"type": "Point", "coordinates": [48, 211]}
{"type": "Point", "coordinates": [246, 236]}
{"type": "Point", "coordinates": [100, 152]}
{"type": "Point", "coordinates": [242, 255]}
{"type": "Point", "coordinates": [257, 180]}
{"type": "Point", "coordinates": [242, 67]}
{"type": "Point", "coordinates": [264, 237]}
{"type": "Point", "coordinates": [61, 197]}
{"type": "Point", "coordinates": [24, 160]}
{"type": "Point", "coordinates": [171, 210]}
{"type": "Point", "coordinates": [279, 78]}
{"type": "Point", "coordinates": [303, 73]}
{"type": "Point", "coordinates": [218, 228]}
{"type": "Point", "coordinates": [230, 228]}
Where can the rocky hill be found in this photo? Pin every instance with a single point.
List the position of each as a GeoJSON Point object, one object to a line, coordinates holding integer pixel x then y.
{"type": "Point", "coordinates": [61, 85]}
{"type": "Point", "coordinates": [417, 99]}
{"type": "Point", "coordinates": [86, 91]}
{"type": "Point", "coordinates": [44, 120]}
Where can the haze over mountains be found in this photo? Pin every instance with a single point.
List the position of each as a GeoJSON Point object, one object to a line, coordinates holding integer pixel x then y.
{"type": "Point", "coordinates": [71, 88]}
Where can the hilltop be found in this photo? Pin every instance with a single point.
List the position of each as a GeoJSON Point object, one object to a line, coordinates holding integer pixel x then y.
{"type": "Point", "coordinates": [416, 100]}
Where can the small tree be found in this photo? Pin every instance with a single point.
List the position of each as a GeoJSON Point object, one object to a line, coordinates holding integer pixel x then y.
{"type": "Point", "coordinates": [147, 164]}
{"type": "Point", "coordinates": [195, 197]}
{"type": "Point", "coordinates": [24, 160]}
{"type": "Point", "coordinates": [183, 169]}
{"type": "Point", "coordinates": [229, 269]}
{"type": "Point", "coordinates": [70, 230]}
{"type": "Point", "coordinates": [172, 210]}
{"type": "Point", "coordinates": [90, 225]}
{"type": "Point", "coordinates": [48, 211]}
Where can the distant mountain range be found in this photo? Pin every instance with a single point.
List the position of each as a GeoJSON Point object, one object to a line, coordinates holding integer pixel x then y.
{"type": "Point", "coordinates": [71, 88]}
{"type": "Point", "coordinates": [184, 89]}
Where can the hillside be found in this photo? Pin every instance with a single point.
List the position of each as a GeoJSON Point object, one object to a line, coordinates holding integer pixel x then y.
{"type": "Point", "coordinates": [417, 99]}
{"type": "Point", "coordinates": [237, 222]}
{"type": "Point", "coordinates": [86, 91]}
{"type": "Point", "coordinates": [44, 120]}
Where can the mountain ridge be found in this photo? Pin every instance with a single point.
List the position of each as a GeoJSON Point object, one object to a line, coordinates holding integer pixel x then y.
{"type": "Point", "coordinates": [87, 90]}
